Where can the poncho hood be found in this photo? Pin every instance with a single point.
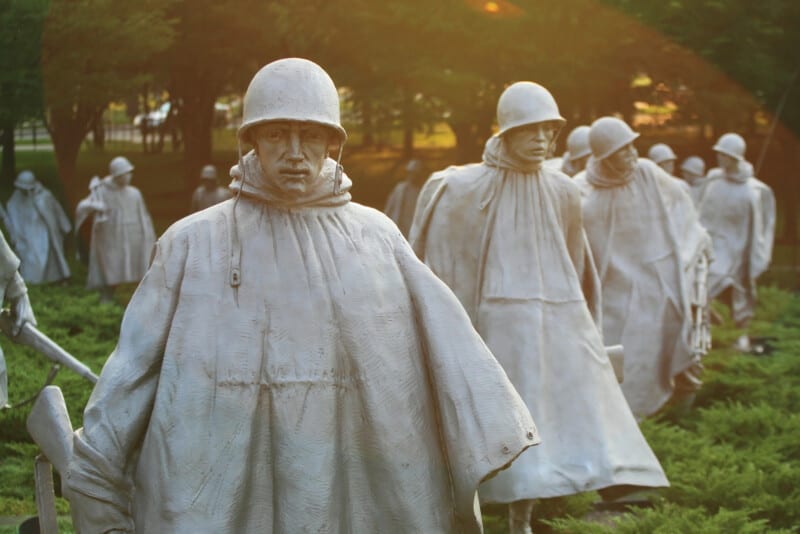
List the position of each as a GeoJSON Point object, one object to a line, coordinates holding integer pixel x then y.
{"type": "Point", "coordinates": [320, 192]}
{"type": "Point", "coordinates": [495, 154]}
{"type": "Point", "coordinates": [601, 175]}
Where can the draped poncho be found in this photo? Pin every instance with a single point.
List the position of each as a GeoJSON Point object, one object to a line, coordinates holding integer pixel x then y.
{"type": "Point", "coordinates": [739, 212]}
{"type": "Point", "coordinates": [122, 237]}
{"type": "Point", "coordinates": [37, 225]}
{"type": "Point", "coordinates": [510, 243]}
{"type": "Point", "coordinates": [401, 204]}
{"type": "Point", "coordinates": [645, 237]}
{"type": "Point", "coordinates": [338, 388]}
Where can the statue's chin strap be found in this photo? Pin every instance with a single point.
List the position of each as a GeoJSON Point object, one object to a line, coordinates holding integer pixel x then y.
{"type": "Point", "coordinates": [235, 274]}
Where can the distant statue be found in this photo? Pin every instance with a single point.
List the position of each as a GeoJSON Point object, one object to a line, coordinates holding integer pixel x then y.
{"type": "Point", "coordinates": [649, 249]}
{"type": "Point", "coordinates": [662, 155]}
{"type": "Point", "coordinates": [85, 212]}
{"type": "Point", "coordinates": [288, 364]}
{"type": "Point", "coordinates": [739, 211]}
{"type": "Point", "coordinates": [506, 235]}
{"type": "Point", "coordinates": [693, 170]}
{"type": "Point", "coordinates": [13, 291]}
{"type": "Point", "coordinates": [403, 199]}
{"type": "Point", "coordinates": [122, 231]}
{"type": "Point", "coordinates": [209, 192]}
{"type": "Point", "coordinates": [578, 151]}
{"type": "Point", "coordinates": [37, 226]}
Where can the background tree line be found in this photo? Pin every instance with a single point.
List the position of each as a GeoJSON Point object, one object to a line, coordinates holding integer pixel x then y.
{"type": "Point", "coordinates": [419, 61]}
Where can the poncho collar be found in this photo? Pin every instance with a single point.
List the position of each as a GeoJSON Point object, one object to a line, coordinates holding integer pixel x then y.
{"type": "Point", "coordinates": [601, 175]}
{"type": "Point", "coordinates": [320, 193]}
{"type": "Point", "coordinates": [743, 172]}
{"type": "Point", "coordinates": [495, 154]}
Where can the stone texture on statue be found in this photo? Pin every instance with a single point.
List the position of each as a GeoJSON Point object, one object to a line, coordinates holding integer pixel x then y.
{"type": "Point", "coordinates": [646, 240]}
{"type": "Point", "coordinates": [122, 231]}
{"type": "Point", "coordinates": [403, 199]}
{"type": "Point", "coordinates": [506, 235]}
{"type": "Point", "coordinates": [13, 291]}
{"type": "Point", "coordinates": [288, 364]}
{"type": "Point", "coordinates": [37, 226]}
{"type": "Point", "coordinates": [693, 171]}
{"type": "Point", "coordinates": [739, 212]}
{"type": "Point", "coordinates": [209, 192]}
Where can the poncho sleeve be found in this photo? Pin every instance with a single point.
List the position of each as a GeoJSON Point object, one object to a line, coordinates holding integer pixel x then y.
{"type": "Point", "coordinates": [120, 405]}
{"type": "Point", "coordinates": [483, 423]}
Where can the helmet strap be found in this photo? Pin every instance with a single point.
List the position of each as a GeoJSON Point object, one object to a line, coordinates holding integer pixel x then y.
{"type": "Point", "coordinates": [337, 176]}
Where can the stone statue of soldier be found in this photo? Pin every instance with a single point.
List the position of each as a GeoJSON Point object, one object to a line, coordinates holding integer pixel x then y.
{"type": "Point", "coordinates": [13, 291]}
{"type": "Point", "coordinates": [693, 171]}
{"type": "Point", "coordinates": [37, 226]}
{"type": "Point", "coordinates": [578, 151]}
{"type": "Point", "coordinates": [287, 364]}
{"type": "Point", "coordinates": [209, 192]}
{"type": "Point", "coordinates": [507, 236]}
{"type": "Point", "coordinates": [122, 231]}
{"type": "Point", "coordinates": [739, 211]}
{"type": "Point", "coordinates": [647, 243]}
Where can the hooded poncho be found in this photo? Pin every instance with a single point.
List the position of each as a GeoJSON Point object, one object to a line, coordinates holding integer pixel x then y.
{"type": "Point", "coordinates": [122, 237]}
{"type": "Point", "coordinates": [739, 212]}
{"type": "Point", "coordinates": [11, 286]}
{"type": "Point", "coordinates": [339, 388]}
{"type": "Point", "coordinates": [510, 244]}
{"type": "Point", "coordinates": [37, 225]}
{"type": "Point", "coordinates": [646, 240]}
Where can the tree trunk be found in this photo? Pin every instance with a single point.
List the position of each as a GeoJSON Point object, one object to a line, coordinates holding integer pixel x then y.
{"type": "Point", "coordinates": [9, 157]}
{"type": "Point", "coordinates": [67, 131]}
{"type": "Point", "coordinates": [196, 117]}
{"type": "Point", "coordinates": [468, 141]}
{"type": "Point", "coordinates": [367, 126]}
{"type": "Point", "coordinates": [408, 124]}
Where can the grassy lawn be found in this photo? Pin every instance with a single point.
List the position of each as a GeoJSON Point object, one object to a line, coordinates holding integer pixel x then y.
{"type": "Point", "coordinates": [733, 460]}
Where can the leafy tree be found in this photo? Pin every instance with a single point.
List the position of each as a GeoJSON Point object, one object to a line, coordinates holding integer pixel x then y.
{"type": "Point", "coordinates": [94, 51]}
{"type": "Point", "coordinates": [20, 79]}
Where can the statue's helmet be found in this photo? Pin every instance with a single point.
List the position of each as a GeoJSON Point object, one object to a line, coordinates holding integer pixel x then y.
{"type": "Point", "coordinates": [659, 153]}
{"type": "Point", "coordinates": [578, 143]}
{"type": "Point", "coordinates": [524, 103]}
{"type": "Point", "coordinates": [25, 180]}
{"type": "Point", "coordinates": [292, 89]}
{"type": "Point", "coordinates": [119, 166]}
{"type": "Point", "coordinates": [209, 172]}
{"type": "Point", "coordinates": [609, 134]}
{"type": "Point", "coordinates": [732, 145]}
{"type": "Point", "coordinates": [413, 165]}
{"type": "Point", "coordinates": [694, 165]}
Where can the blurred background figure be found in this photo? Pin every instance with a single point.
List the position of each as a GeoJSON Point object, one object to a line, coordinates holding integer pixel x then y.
{"type": "Point", "coordinates": [578, 151]}
{"type": "Point", "coordinates": [85, 212]}
{"type": "Point", "coordinates": [693, 170]}
{"type": "Point", "coordinates": [37, 225]}
{"type": "Point", "coordinates": [739, 212]}
{"type": "Point", "coordinates": [663, 156]}
{"type": "Point", "coordinates": [209, 192]}
{"type": "Point", "coordinates": [647, 243]}
{"type": "Point", "coordinates": [122, 231]}
{"type": "Point", "coordinates": [403, 199]}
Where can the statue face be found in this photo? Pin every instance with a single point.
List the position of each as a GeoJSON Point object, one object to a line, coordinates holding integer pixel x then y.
{"type": "Point", "coordinates": [726, 162]}
{"type": "Point", "coordinates": [291, 154]}
{"type": "Point", "coordinates": [623, 160]}
{"type": "Point", "coordinates": [668, 166]}
{"type": "Point", "coordinates": [530, 143]}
